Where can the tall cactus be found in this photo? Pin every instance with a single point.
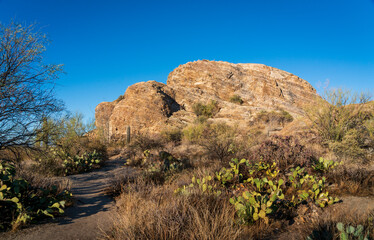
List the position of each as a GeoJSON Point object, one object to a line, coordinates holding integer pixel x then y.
{"type": "Point", "coordinates": [128, 137]}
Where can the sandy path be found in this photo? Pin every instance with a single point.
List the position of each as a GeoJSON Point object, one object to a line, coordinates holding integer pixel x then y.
{"type": "Point", "coordinates": [91, 212]}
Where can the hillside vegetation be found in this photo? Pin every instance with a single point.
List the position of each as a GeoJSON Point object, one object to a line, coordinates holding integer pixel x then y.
{"type": "Point", "coordinates": [211, 181]}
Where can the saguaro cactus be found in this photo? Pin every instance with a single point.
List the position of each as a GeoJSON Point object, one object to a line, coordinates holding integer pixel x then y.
{"type": "Point", "coordinates": [128, 136]}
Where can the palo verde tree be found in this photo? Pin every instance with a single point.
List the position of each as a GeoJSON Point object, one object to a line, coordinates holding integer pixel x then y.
{"type": "Point", "coordinates": [344, 122]}
{"type": "Point", "coordinates": [26, 85]}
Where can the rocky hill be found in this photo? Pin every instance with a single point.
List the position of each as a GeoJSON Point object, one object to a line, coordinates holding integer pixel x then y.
{"type": "Point", "coordinates": [151, 106]}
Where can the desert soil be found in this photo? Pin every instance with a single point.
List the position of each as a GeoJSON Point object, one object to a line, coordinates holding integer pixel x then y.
{"type": "Point", "coordinates": [91, 213]}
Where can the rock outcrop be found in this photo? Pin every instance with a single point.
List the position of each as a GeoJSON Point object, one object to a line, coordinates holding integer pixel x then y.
{"type": "Point", "coordinates": [150, 106]}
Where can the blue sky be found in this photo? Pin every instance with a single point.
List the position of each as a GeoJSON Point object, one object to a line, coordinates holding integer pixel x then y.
{"type": "Point", "coordinates": [106, 46]}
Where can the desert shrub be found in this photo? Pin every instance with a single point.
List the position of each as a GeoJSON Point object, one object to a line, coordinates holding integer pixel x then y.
{"type": "Point", "coordinates": [64, 147]}
{"type": "Point", "coordinates": [118, 185]}
{"type": "Point", "coordinates": [350, 145]}
{"type": "Point", "coordinates": [218, 139]}
{"type": "Point", "coordinates": [236, 99]}
{"type": "Point", "coordinates": [256, 134]}
{"type": "Point", "coordinates": [351, 180]}
{"type": "Point", "coordinates": [143, 142]}
{"type": "Point", "coordinates": [74, 138]}
{"type": "Point", "coordinates": [287, 151]}
{"type": "Point", "coordinates": [62, 131]}
{"type": "Point", "coordinates": [343, 120]}
{"type": "Point", "coordinates": [201, 120]}
{"type": "Point", "coordinates": [369, 125]}
{"type": "Point", "coordinates": [48, 164]}
{"type": "Point", "coordinates": [120, 98]}
{"type": "Point", "coordinates": [159, 168]}
{"type": "Point", "coordinates": [207, 110]}
{"type": "Point", "coordinates": [338, 112]}
{"type": "Point", "coordinates": [140, 147]}
{"type": "Point", "coordinates": [278, 117]}
{"type": "Point", "coordinates": [83, 157]}
{"type": "Point", "coordinates": [82, 145]}
{"type": "Point", "coordinates": [21, 203]}
{"type": "Point", "coordinates": [83, 163]}
{"type": "Point", "coordinates": [339, 225]}
{"type": "Point", "coordinates": [194, 132]}
{"type": "Point", "coordinates": [285, 116]}
{"type": "Point", "coordinates": [172, 135]}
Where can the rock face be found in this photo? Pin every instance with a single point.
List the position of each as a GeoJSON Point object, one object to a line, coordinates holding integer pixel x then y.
{"type": "Point", "coordinates": [150, 106]}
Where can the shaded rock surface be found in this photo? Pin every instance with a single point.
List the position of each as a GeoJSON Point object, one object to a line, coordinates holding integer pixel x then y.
{"type": "Point", "coordinates": [150, 106]}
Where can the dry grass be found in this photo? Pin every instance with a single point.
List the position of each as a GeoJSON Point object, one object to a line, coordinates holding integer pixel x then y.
{"type": "Point", "coordinates": [117, 185]}
{"type": "Point", "coordinates": [352, 180]}
{"type": "Point", "coordinates": [324, 227]}
{"type": "Point", "coordinates": [40, 181]}
{"type": "Point", "coordinates": [198, 169]}
{"type": "Point", "coordinates": [147, 211]}
{"type": "Point", "coordinates": [150, 211]}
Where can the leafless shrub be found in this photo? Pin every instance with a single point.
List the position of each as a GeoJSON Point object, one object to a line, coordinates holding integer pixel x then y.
{"type": "Point", "coordinates": [286, 151]}
{"type": "Point", "coordinates": [26, 85]}
{"type": "Point", "coordinates": [344, 122]}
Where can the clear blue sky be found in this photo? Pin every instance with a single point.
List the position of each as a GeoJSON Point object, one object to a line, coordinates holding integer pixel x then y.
{"type": "Point", "coordinates": [106, 46]}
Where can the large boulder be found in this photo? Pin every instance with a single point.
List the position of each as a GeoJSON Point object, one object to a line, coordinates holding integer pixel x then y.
{"type": "Point", "coordinates": [150, 106]}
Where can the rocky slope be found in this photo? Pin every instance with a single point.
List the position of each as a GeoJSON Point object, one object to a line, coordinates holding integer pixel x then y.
{"type": "Point", "coordinates": [150, 106]}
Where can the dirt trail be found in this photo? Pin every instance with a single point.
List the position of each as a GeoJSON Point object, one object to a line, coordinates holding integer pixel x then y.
{"type": "Point", "coordinates": [91, 212]}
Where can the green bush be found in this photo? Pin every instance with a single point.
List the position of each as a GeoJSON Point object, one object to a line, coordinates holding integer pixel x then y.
{"type": "Point", "coordinates": [164, 165]}
{"type": "Point", "coordinates": [236, 99]}
{"type": "Point", "coordinates": [207, 110]}
{"type": "Point", "coordinates": [83, 163]}
{"type": "Point", "coordinates": [57, 162]}
{"type": "Point", "coordinates": [201, 120]}
{"type": "Point", "coordinates": [64, 146]}
{"type": "Point", "coordinates": [350, 146]}
{"type": "Point", "coordinates": [21, 203]}
{"type": "Point", "coordinates": [158, 168]}
{"type": "Point", "coordinates": [279, 117]}
{"type": "Point", "coordinates": [120, 98]}
{"type": "Point", "coordinates": [172, 135]}
{"type": "Point", "coordinates": [194, 132]}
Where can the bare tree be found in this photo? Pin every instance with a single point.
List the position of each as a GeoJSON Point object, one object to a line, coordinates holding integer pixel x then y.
{"type": "Point", "coordinates": [26, 84]}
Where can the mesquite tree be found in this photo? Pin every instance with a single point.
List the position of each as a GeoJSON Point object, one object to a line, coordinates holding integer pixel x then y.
{"type": "Point", "coordinates": [26, 85]}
